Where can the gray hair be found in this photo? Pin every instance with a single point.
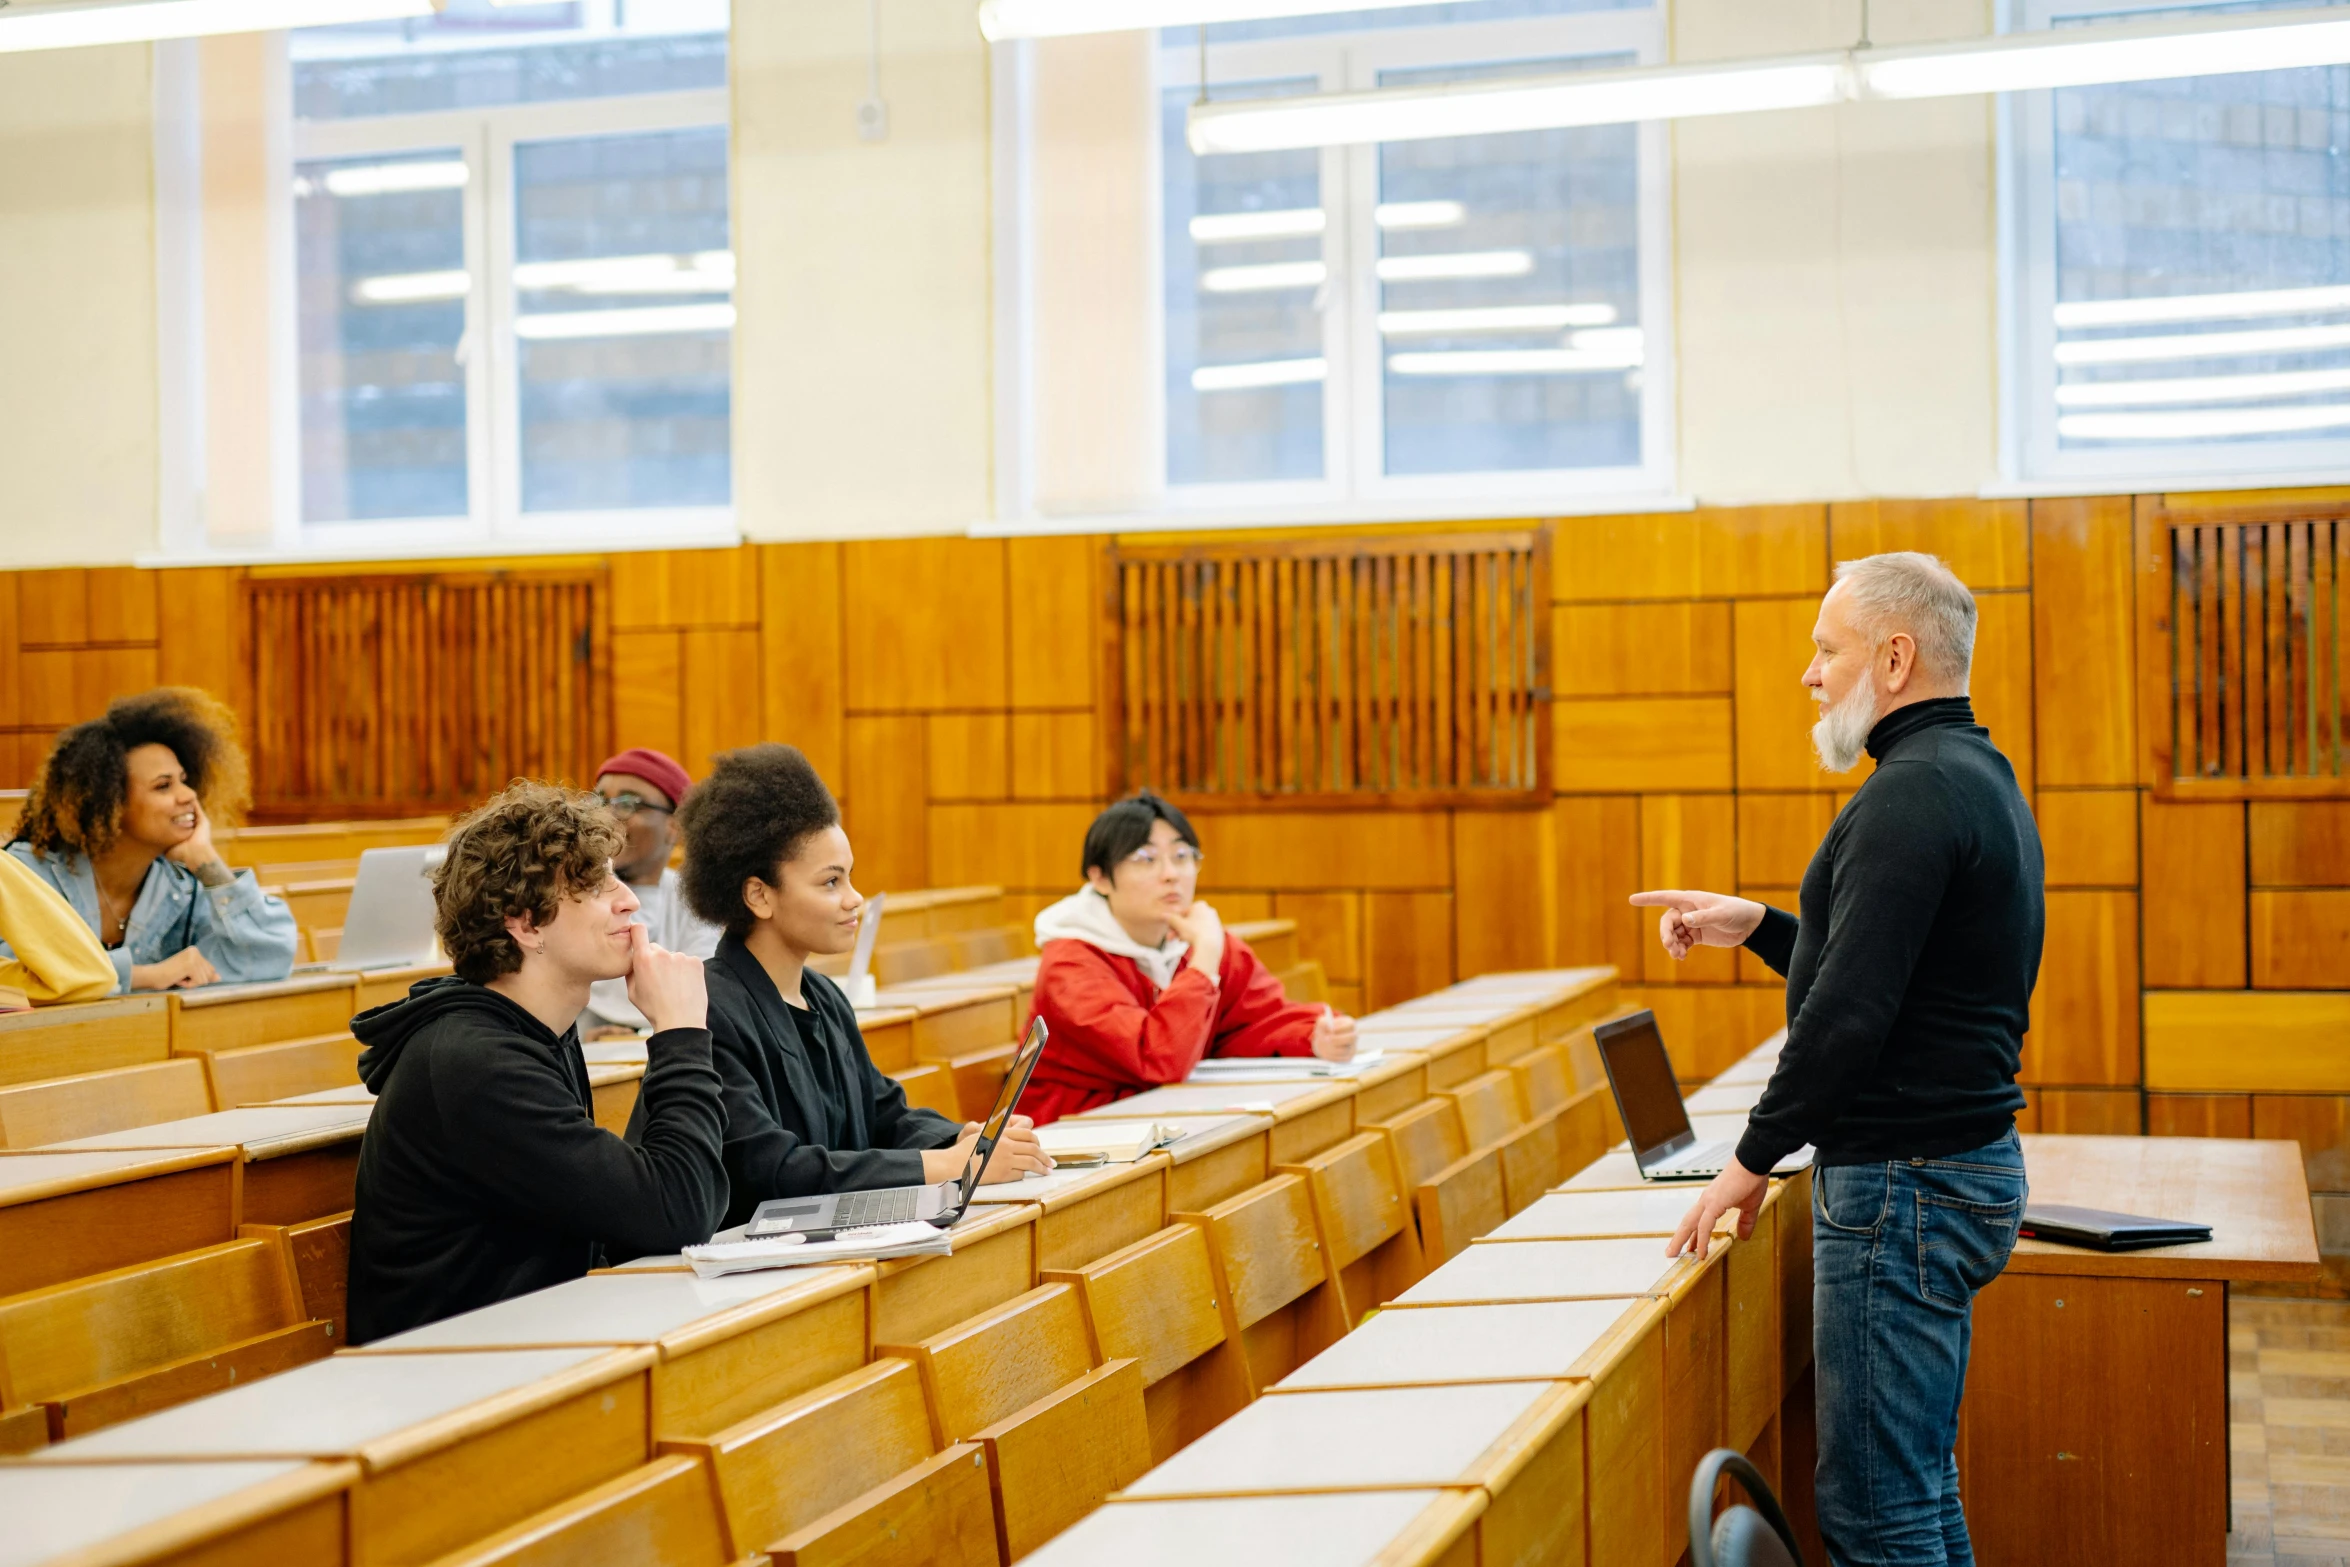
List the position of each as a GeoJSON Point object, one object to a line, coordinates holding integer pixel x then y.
{"type": "Point", "coordinates": [1913, 592]}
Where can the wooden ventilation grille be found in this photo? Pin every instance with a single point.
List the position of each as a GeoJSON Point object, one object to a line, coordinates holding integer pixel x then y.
{"type": "Point", "coordinates": [398, 696]}
{"type": "Point", "coordinates": [2244, 659]}
{"type": "Point", "coordinates": [1347, 670]}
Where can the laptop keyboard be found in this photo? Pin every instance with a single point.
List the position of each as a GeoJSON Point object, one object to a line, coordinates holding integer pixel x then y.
{"type": "Point", "coordinates": [860, 1210]}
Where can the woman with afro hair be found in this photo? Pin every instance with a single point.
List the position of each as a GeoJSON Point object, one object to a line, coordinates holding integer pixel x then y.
{"type": "Point", "coordinates": [120, 820]}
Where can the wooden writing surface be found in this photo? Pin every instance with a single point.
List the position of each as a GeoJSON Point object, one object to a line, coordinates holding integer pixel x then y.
{"type": "Point", "coordinates": [1593, 1215]}
{"type": "Point", "coordinates": [1534, 1341]}
{"type": "Point", "coordinates": [65, 1215]}
{"type": "Point", "coordinates": [1614, 1171]}
{"type": "Point", "coordinates": [1382, 1529]}
{"type": "Point", "coordinates": [154, 1512]}
{"type": "Point", "coordinates": [83, 1036]}
{"type": "Point", "coordinates": [222, 1017]}
{"type": "Point", "coordinates": [1220, 1099]}
{"type": "Point", "coordinates": [1548, 1270]}
{"type": "Point", "coordinates": [623, 1309]}
{"type": "Point", "coordinates": [2254, 1195]}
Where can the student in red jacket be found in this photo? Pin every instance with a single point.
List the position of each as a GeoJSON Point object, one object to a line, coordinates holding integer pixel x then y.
{"type": "Point", "coordinates": [1139, 979]}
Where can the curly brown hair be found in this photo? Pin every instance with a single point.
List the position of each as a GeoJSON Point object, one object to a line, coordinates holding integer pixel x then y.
{"type": "Point", "coordinates": [77, 797]}
{"type": "Point", "coordinates": [530, 847]}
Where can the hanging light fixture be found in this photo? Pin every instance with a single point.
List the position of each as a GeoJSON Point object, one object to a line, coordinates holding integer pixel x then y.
{"type": "Point", "coordinates": [75, 24]}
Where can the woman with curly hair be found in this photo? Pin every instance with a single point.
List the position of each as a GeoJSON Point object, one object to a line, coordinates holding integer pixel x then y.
{"type": "Point", "coordinates": [119, 821]}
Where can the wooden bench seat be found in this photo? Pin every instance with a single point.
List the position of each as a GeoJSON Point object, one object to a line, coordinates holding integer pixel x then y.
{"type": "Point", "coordinates": [1158, 1303]}
{"type": "Point", "coordinates": [63, 1108]}
{"type": "Point", "coordinates": [225, 1017]}
{"type": "Point", "coordinates": [285, 1069]}
{"type": "Point", "coordinates": [1369, 1241]}
{"type": "Point", "coordinates": [1269, 1262]}
{"type": "Point", "coordinates": [66, 1215]}
{"type": "Point", "coordinates": [1456, 1195]}
{"type": "Point", "coordinates": [664, 1514]}
{"type": "Point", "coordinates": [320, 1252]}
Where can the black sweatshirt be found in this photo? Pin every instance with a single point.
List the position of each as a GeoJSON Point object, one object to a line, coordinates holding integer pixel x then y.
{"type": "Point", "coordinates": [1909, 976]}
{"type": "Point", "coordinates": [807, 1111]}
{"type": "Point", "coordinates": [483, 1174]}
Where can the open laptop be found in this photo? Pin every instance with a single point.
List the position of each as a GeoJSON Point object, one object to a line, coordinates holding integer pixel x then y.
{"type": "Point", "coordinates": [390, 921]}
{"type": "Point", "coordinates": [821, 1218]}
{"type": "Point", "coordinates": [1655, 1120]}
{"type": "Point", "coordinates": [858, 984]}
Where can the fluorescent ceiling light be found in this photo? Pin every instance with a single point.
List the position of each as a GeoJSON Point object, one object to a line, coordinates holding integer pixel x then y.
{"type": "Point", "coordinates": [1270, 372]}
{"type": "Point", "coordinates": [74, 24]}
{"type": "Point", "coordinates": [2069, 57]}
{"type": "Point", "coordinates": [1216, 228]}
{"type": "Point", "coordinates": [2201, 345]}
{"type": "Point", "coordinates": [1255, 280]}
{"type": "Point", "coordinates": [1004, 19]}
{"type": "Point", "coordinates": [384, 179]}
{"type": "Point", "coordinates": [2201, 389]}
{"type": "Point", "coordinates": [1455, 264]}
{"type": "Point", "coordinates": [410, 288]}
{"type": "Point", "coordinates": [1615, 349]}
{"type": "Point", "coordinates": [645, 322]}
{"type": "Point", "coordinates": [1494, 318]}
{"type": "Point", "coordinates": [2201, 307]}
{"type": "Point", "coordinates": [2203, 423]}
{"type": "Point", "coordinates": [1419, 214]}
{"type": "Point", "coordinates": [705, 272]}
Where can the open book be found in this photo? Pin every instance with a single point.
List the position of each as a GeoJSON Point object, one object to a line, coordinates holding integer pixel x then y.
{"type": "Point", "coordinates": [1112, 1142]}
{"type": "Point", "coordinates": [917, 1238]}
{"type": "Point", "coordinates": [1263, 1069]}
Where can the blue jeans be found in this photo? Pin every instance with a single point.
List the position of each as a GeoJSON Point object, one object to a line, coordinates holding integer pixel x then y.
{"type": "Point", "coordinates": [1899, 1250]}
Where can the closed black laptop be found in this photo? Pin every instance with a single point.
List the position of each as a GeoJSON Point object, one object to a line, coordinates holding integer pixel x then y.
{"type": "Point", "coordinates": [2102, 1231]}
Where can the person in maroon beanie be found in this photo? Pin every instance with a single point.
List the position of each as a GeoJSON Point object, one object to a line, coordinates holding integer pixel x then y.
{"type": "Point", "coordinates": [642, 789]}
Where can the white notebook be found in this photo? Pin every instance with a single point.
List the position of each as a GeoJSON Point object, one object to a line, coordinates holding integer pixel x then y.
{"type": "Point", "coordinates": [1258, 1069]}
{"type": "Point", "coordinates": [915, 1238]}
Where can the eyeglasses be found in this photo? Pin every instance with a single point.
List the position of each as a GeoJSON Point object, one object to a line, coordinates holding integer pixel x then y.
{"type": "Point", "coordinates": [625, 805]}
{"type": "Point", "coordinates": [1185, 857]}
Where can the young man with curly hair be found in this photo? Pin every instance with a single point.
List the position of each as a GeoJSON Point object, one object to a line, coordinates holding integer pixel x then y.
{"type": "Point", "coordinates": [120, 822]}
{"type": "Point", "coordinates": [483, 1174]}
{"type": "Point", "coordinates": [807, 1111]}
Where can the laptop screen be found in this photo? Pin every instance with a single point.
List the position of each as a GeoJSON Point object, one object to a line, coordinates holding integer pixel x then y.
{"type": "Point", "coordinates": [1006, 1100]}
{"type": "Point", "coordinates": [1642, 1075]}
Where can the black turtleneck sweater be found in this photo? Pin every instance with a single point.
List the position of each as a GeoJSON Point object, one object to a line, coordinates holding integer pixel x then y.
{"type": "Point", "coordinates": [1910, 972]}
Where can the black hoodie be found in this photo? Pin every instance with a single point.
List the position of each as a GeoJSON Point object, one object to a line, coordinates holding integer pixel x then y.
{"type": "Point", "coordinates": [483, 1174]}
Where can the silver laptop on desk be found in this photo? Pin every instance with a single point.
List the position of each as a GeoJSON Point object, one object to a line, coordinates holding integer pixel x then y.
{"type": "Point", "coordinates": [1656, 1122]}
{"type": "Point", "coordinates": [390, 922]}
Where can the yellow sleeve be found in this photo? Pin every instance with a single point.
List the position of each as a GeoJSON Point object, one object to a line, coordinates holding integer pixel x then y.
{"type": "Point", "coordinates": [58, 958]}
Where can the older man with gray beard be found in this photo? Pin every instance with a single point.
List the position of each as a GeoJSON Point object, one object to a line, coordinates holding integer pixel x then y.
{"type": "Point", "coordinates": [1909, 984]}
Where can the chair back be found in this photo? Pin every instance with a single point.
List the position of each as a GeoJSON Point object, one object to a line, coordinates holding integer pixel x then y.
{"type": "Point", "coordinates": [1757, 1536]}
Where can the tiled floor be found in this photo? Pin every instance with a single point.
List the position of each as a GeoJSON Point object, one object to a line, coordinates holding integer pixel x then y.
{"type": "Point", "coordinates": [2289, 1428]}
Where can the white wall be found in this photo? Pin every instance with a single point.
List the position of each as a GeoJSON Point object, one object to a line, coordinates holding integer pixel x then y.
{"type": "Point", "coordinates": [78, 449]}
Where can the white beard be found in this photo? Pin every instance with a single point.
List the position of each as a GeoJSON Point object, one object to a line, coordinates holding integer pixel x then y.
{"type": "Point", "coordinates": [1843, 730]}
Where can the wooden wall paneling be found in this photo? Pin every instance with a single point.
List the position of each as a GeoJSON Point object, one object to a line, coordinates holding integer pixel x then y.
{"type": "Point", "coordinates": [1664, 649]}
{"type": "Point", "coordinates": [1775, 710]}
{"type": "Point", "coordinates": [800, 651]}
{"type": "Point", "coordinates": [2001, 684]}
{"type": "Point", "coordinates": [2294, 843]}
{"type": "Point", "coordinates": [1407, 945]}
{"type": "Point", "coordinates": [122, 604]}
{"type": "Point", "coordinates": [2199, 1115]}
{"type": "Point", "coordinates": [48, 685]}
{"type": "Point", "coordinates": [1598, 868]}
{"type": "Point", "coordinates": [1235, 906]}
{"type": "Point", "coordinates": [1688, 841]}
{"type": "Point", "coordinates": [11, 636]}
{"type": "Point", "coordinates": [2301, 939]}
{"type": "Point", "coordinates": [968, 756]}
{"type": "Point", "coordinates": [885, 802]}
{"type": "Point", "coordinates": [1017, 844]}
{"type": "Point", "coordinates": [53, 606]}
{"type": "Point", "coordinates": [1053, 756]}
{"type": "Point", "coordinates": [2084, 624]}
{"type": "Point", "coordinates": [100, 674]}
{"type": "Point", "coordinates": [1505, 908]}
{"type": "Point", "coordinates": [2085, 1011]}
{"type": "Point", "coordinates": [1707, 1028]}
{"type": "Point", "coordinates": [2089, 1112]}
{"type": "Point", "coordinates": [1779, 833]}
{"type": "Point", "coordinates": [681, 588]}
{"type": "Point", "coordinates": [1609, 745]}
{"type": "Point", "coordinates": [1329, 931]}
{"type": "Point", "coordinates": [648, 691]}
{"type": "Point", "coordinates": [1308, 851]}
{"type": "Point", "coordinates": [2320, 1123]}
{"type": "Point", "coordinates": [925, 624]}
{"type": "Point", "coordinates": [2248, 1041]}
{"type": "Point", "coordinates": [1713, 552]}
{"type": "Point", "coordinates": [197, 632]}
{"type": "Point", "coordinates": [719, 694]}
{"type": "Point", "coordinates": [1054, 615]}
{"type": "Point", "coordinates": [1988, 543]}
{"type": "Point", "coordinates": [2089, 837]}
{"type": "Point", "coordinates": [2193, 877]}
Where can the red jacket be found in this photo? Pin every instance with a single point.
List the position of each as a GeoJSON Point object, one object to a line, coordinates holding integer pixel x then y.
{"type": "Point", "coordinates": [1111, 1037]}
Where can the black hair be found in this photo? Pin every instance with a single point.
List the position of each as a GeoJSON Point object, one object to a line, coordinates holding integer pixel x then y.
{"type": "Point", "coordinates": [1125, 827]}
{"type": "Point", "coordinates": [753, 812]}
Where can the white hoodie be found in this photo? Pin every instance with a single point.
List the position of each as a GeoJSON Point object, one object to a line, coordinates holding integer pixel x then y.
{"type": "Point", "coordinates": [1085, 916]}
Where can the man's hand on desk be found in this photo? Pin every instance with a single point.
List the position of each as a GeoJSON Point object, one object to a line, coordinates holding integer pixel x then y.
{"type": "Point", "coordinates": [1700, 919]}
{"type": "Point", "coordinates": [1736, 1187]}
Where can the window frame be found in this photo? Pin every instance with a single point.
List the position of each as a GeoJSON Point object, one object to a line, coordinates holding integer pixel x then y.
{"type": "Point", "coordinates": [2030, 457]}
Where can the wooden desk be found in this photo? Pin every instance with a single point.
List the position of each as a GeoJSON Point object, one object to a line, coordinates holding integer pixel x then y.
{"type": "Point", "coordinates": [729, 1347]}
{"type": "Point", "coordinates": [1611, 1172]}
{"type": "Point", "coordinates": [1540, 1341]}
{"type": "Point", "coordinates": [1394, 1082]}
{"type": "Point", "coordinates": [889, 1036]}
{"type": "Point", "coordinates": [276, 1511]}
{"type": "Point", "coordinates": [1084, 1215]}
{"type": "Point", "coordinates": [1215, 1158]}
{"type": "Point", "coordinates": [994, 1259]}
{"type": "Point", "coordinates": [1718, 1096]}
{"type": "Point", "coordinates": [950, 1022]}
{"type": "Point", "coordinates": [1454, 1052]}
{"type": "Point", "coordinates": [2131, 1463]}
{"type": "Point", "coordinates": [1510, 1030]}
{"type": "Point", "coordinates": [67, 1215]}
{"type": "Point", "coordinates": [84, 1036]}
{"type": "Point", "coordinates": [1307, 1117]}
{"type": "Point", "coordinates": [1549, 1270]}
{"type": "Point", "coordinates": [222, 1017]}
{"type": "Point", "coordinates": [616, 1052]}
{"type": "Point", "coordinates": [379, 985]}
{"type": "Point", "coordinates": [1594, 1215]}
{"type": "Point", "coordinates": [301, 1161]}
{"type": "Point", "coordinates": [450, 1447]}
{"type": "Point", "coordinates": [1422, 1528]}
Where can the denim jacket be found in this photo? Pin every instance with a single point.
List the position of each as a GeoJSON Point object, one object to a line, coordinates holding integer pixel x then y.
{"type": "Point", "coordinates": [241, 931]}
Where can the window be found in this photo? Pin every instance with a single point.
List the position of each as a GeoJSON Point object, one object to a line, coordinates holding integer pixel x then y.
{"type": "Point", "coordinates": [2180, 274]}
{"type": "Point", "coordinates": [514, 274]}
{"type": "Point", "coordinates": [1476, 316]}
